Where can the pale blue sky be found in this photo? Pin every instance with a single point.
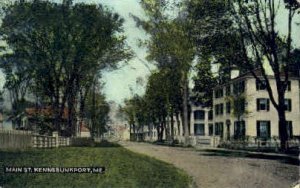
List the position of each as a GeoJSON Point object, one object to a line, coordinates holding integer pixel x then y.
{"type": "Point", "coordinates": [118, 82]}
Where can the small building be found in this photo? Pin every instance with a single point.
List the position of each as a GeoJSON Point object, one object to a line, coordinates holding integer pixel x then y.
{"type": "Point", "coordinates": [84, 131]}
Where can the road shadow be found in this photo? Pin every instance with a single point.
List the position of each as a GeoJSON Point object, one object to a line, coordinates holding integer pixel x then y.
{"type": "Point", "coordinates": [238, 154]}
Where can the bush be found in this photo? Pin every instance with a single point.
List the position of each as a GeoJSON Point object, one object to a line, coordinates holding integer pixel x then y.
{"type": "Point", "coordinates": [105, 143]}
{"type": "Point", "coordinates": [83, 142]}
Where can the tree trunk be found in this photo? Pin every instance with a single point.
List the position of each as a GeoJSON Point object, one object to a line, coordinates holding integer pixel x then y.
{"type": "Point", "coordinates": [162, 128]}
{"type": "Point", "coordinates": [172, 127]}
{"type": "Point", "coordinates": [134, 133]}
{"type": "Point", "coordinates": [157, 130]}
{"type": "Point", "coordinates": [178, 124]}
{"type": "Point", "coordinates": [185, 107]}
{"type": "Point", "coordinates": [282, 127]}
{"type": "Point", "coordinates": [130, 132]}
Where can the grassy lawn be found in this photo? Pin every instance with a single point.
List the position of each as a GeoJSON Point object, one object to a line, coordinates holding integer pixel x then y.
{"type": "Point", "coordinates": [123, 168]}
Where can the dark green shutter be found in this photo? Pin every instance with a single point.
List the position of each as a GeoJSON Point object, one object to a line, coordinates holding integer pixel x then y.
{"type": "Point", "coordinates": [257, 129]}
{"type": "Point", "coordinates": [269, 129]}
{"type": "Point", "coordinates": [257, 104]}
{"type": "Point", "coordinates": [291, 129]}
{"type": "Point", "coordinates": [268, 104]}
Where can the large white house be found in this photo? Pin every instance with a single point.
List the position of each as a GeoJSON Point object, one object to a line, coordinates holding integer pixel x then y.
{"type": "Point", "coordinates": [242, 108]}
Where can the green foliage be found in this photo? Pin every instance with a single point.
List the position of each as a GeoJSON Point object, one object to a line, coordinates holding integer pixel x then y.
{"type": "Point", "coordinates": [97, 110]}
{"type": "Point", "coordinates": [204, 82]}
{"type": "Point", "coordinates": [238, 105]}
{"type": "Point", "coordinates": [123, 168]}
{"type": "Point", "coordinates": [136, 113]}
{"type": "Point", "coordinates": [170, 48]}
{"type": "Point", "coordinates": [58, 50]}
{"type": "Point", "coordinates": [82, 142]}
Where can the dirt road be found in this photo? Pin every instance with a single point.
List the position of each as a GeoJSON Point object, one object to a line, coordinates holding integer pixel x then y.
{"type": "Point", "coordinates": [224, 169]}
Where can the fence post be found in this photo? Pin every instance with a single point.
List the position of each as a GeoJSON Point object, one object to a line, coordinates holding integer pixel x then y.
{"type": "Point", "coordinates": [55, 135]}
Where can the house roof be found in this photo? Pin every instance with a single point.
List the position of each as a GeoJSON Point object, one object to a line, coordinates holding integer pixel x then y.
{"type": "Point", "coordinates": [83, 127]}
{"type": "Point", "coordinates": [258, 73]}
{"type": "Point", "coordinates": [46, 111]}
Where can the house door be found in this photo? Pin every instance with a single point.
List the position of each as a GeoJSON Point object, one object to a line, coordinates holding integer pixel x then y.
{"type": "Point", "coordinates": [228, 132]}
{"type": "Point", "coordinates": [228, 129]}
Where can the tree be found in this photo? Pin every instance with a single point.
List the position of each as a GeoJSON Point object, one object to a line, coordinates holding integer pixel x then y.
{"type": "Point", "coordinates": [135, 113]}
{"type": "Point", "coordinates": [157, 100]}
{"type": "Point", "coordinates": [96, 111]}
{"type": "Point", "coordinates": [254, 40]}
{"type": "Point", "coordinates": [204, 82]}
{"type": "Point", "coordinates": [61, 49]}
{"type": "Point", "coordinates": [262, 44]}
{"type": "Point", "coordinates": [169, 45]}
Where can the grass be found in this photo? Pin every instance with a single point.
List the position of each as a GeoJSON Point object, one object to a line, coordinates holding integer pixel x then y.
{"type": "Point", "coordinates": [123, 168]}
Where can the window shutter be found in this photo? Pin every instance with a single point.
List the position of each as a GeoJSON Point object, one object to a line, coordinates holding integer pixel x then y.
{"type": "Point", "coordinates": [268, 104]}
{"type": "Point", "coordinates": [291, 129]}
{"type": "Point", "coordinates": [269, 129]}
{"type": "Point", "coordinates": [290, 104]}
{"type": "Point", "coordinates": [257, 104]}
{"type": "Point", "coordinates": [258, 128]}
{"type": "Point", "coordinates": [257, 85]}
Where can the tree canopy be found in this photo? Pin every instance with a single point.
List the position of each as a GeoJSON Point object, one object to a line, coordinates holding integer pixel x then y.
{"type": "Point", "coordinates": [59, 50]}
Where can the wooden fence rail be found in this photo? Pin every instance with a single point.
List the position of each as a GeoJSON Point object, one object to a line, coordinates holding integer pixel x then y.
{"type": "Point", "coordinates": [15, 139]}
{"type": "Point", "coordinates": [25, 139]}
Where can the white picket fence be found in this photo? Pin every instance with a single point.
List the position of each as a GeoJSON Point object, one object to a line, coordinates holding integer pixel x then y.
{"type": "Point", "coordinates": [200, 141]}
{"type": "Point", "coordinates": [26, 139]}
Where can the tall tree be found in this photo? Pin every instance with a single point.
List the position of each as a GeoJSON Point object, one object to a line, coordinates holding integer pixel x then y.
{"type": "Point", "coordinates": [62, 48]}
{"type": "Point", "coordinates": [254, 40]}
{"type": "Point", "coordinates": [169, 45]}
{"type": "Point", "coordinates": [260, 40]}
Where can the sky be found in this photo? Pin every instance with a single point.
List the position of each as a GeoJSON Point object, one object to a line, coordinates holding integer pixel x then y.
{"type": "Point", "coordinates": [118, 82]}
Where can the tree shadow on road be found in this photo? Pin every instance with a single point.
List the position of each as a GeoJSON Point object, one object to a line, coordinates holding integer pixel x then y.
{"type": "Point", "coordinates": [238, 154]}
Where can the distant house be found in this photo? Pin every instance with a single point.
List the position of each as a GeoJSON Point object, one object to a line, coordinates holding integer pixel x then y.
{"type": "Point", "coordinates": [84, 131]}
{"type": "Point", "coordinates": [39, 120]}
{"type": "Point", "coordinates": [123, 132]}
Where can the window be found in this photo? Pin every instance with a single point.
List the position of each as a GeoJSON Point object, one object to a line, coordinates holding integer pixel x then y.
{"type": "Point", "coordinates": [228, 90]}
{"type": "Point", "coordinates": [261, 85]}
{"type": "Point", "coordinates": [228, 107]}
{"type": "Point", "coordinates": [288, 105]}
{"type": "Point", "coordinates": [263, 129]}
{"type": "Point", "coordinates": [289, 126]}
{"type": "Point", "coordinates": [199, 114]}
{"type": "Point", "coordinates": [210, 115]}
{"type": "Point", "coordinates": [219, 129]}
{"type": "Point", "coordinates": [219, 93]}
{"type": "Point", "coordinates": [263, 104]}
{"type": "Point", "coordinates": [199, 129]}
{"type": "Point", "coordinates": [239, 87]}
{"type": "Point", "coordinates": [219, 109]}
{"type": "Point", "coordinates": [210, 129]}
{"type": "Point", "coordinates": [239, 129]}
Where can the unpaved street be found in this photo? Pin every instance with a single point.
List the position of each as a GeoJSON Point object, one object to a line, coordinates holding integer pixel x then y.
{"type": "Point", "coordinates": [223, 169]}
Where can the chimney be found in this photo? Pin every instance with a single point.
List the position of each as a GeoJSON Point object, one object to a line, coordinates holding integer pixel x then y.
{"type": "Point", "coordinates": [234, 73]}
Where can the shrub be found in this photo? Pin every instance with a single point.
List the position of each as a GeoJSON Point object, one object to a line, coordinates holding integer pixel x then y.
{"type": "Point", "coordinates": [83, 142]}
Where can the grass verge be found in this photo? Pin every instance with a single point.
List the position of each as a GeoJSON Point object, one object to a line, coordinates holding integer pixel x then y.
{"type": "Point", "coordinates": [123, 168]}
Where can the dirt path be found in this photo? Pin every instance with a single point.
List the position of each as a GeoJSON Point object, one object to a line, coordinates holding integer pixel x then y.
{"type": "Point", "coordinates": [223, 170]}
